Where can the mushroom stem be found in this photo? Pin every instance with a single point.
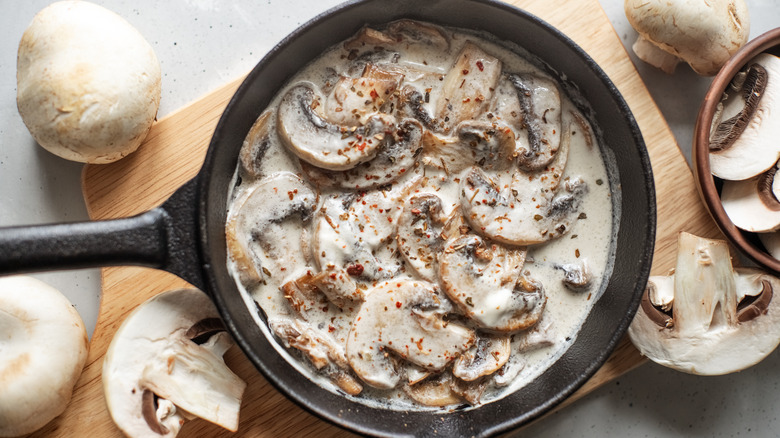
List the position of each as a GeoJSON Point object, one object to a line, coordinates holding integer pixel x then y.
{"type": "Point", "coordinates": [705, 290]}
{"type": "Point", "coordinates": [655, 56]}
{"type": "Point", "coordinates": [195, 379]}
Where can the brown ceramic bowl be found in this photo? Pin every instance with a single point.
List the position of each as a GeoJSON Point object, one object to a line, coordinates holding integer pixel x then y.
{"type": "Point", "coordinates": [709, 186]}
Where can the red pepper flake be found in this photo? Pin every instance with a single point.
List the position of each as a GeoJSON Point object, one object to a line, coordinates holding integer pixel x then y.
{"type": "Point", "coordinates": [361, 146]}
{"type": "Point", "coordinates": [355, 269]}
{"type": "Point", "coordinates": [419, 344]}
{"type": "Point", "coordinates": [374, 94]}
{"type": "Point", "coordinates": [480, 66]}
{"type": "Point", "coordinates": [465, 72]}
{"type": "Point", "coordinates": [398, 304]}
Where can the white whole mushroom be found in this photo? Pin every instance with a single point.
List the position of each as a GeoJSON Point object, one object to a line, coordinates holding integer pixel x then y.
{"type": "Point", "coordinates": [88, 83]}
{"type": "Point", "coordinates": [43, 348]}
{"type": "Point", "coordinates": [702, 33]}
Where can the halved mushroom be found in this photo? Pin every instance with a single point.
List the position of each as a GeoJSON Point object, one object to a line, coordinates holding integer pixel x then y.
{"type": "Point", "coordinates": [164, 366]}
{"type": "Point", "coordinates": [423, 227]}
{"type": "Point", "coordinates": [256, 242]}
{"type": "Point", "coordinates": [314, 139]}
{"type": "Point", "coordinates": [404, 317]}
{"type": "Point", "coordinates": [745, 143]}
{"type": "Point", "coordinates": [540, 101]}
{"type": "Point", "coordinates": [467, 88]}
{"type": "Point", "coordinates": [43, 348]}
{"type": "Point", "coordinates": [489, 145]}
{"type": "Point", "coordinates": [720, 320]}
{"type": "Point", "coordinates": [484, 358]}
{"type": "Point", "coordinates": [487, 284]}
{"type": "Point", "coordinates": [752, 204]}
{"type": "Point", "coordinates": [324, 353]}
{"type": "Point", "coordinates": [397, 155]}
{"type": "Point", "coordinates": [771, 242]}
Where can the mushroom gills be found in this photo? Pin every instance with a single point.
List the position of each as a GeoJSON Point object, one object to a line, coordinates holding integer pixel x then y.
{"type": "Point", "coordinates": [745, 144]}
{"type": "Point", "coordinates": [530, 208]}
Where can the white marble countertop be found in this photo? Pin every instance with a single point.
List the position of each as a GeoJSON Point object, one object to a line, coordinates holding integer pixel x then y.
{"type": "Point", "coordinates": [203, 44]}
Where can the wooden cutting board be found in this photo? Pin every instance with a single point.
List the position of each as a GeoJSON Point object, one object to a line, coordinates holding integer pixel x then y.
{"type": "Point", "coordinates": [173, 153]}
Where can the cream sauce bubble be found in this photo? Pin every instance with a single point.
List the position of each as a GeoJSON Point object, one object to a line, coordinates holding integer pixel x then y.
{"type": "Point", "coordinates": [315, 266]}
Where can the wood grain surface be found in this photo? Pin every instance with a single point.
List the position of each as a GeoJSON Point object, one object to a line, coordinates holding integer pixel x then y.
{"type": "Point", "coordinates": [173, 153]}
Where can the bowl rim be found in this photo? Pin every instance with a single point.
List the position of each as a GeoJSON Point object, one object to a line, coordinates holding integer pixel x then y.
{"type": "Point", "coordinates": [706, 182]}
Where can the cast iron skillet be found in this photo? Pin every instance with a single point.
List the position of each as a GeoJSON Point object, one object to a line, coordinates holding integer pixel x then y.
{"type": "Point", "coordinates": [186, 234]}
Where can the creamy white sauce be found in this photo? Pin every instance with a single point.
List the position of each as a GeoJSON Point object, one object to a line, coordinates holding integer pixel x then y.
{"type": "Point", "coordinates": [295, 247]}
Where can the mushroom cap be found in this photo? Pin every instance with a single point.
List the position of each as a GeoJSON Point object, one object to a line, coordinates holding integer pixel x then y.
{"type": "Point", "coordinates": [43, 348]}
{"type": "Point", "coordinates": [154, 354]}
{"type": "Point", "coordinates": [703, 34]}
{"type": "Point", "coordinates": [88, 83]}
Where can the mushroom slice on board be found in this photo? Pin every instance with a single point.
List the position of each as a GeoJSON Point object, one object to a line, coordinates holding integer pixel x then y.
{"type": "Point", "coordinates": [752, 204]}
{"type": "Point", "coordinates": [398, 154]}
{"type": "Point", "coordinates": [540, 102]}
{"type": "Point", "coordinates": [487, 284]}
{"type": "Point", "coordinates": [720, 320]}
{"type": "Point", "coordinates": [530, 208]}
{"type": "Point", "coordinates": [468, 87]}
{"type": "Point", "coordinates": [164, 365]}
{"type": "Point", "coordinates": [255, 232]}
{"type": "Point", "coordinates": [43, 347]}
{"type": "Point", "coordinates": [745, 143]}
{"type": "Point", "coordinates": [703, 34]}
{"type": "Point", "coordinates": [404, 317]}
{"type": "Point", "coordinates": [489, 145]}
{"type": "Point", "coordinates": [314, 139]}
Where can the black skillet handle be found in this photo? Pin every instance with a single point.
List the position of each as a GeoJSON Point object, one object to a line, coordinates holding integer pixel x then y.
{"type": "Point", "coordinates": [163, 238]}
